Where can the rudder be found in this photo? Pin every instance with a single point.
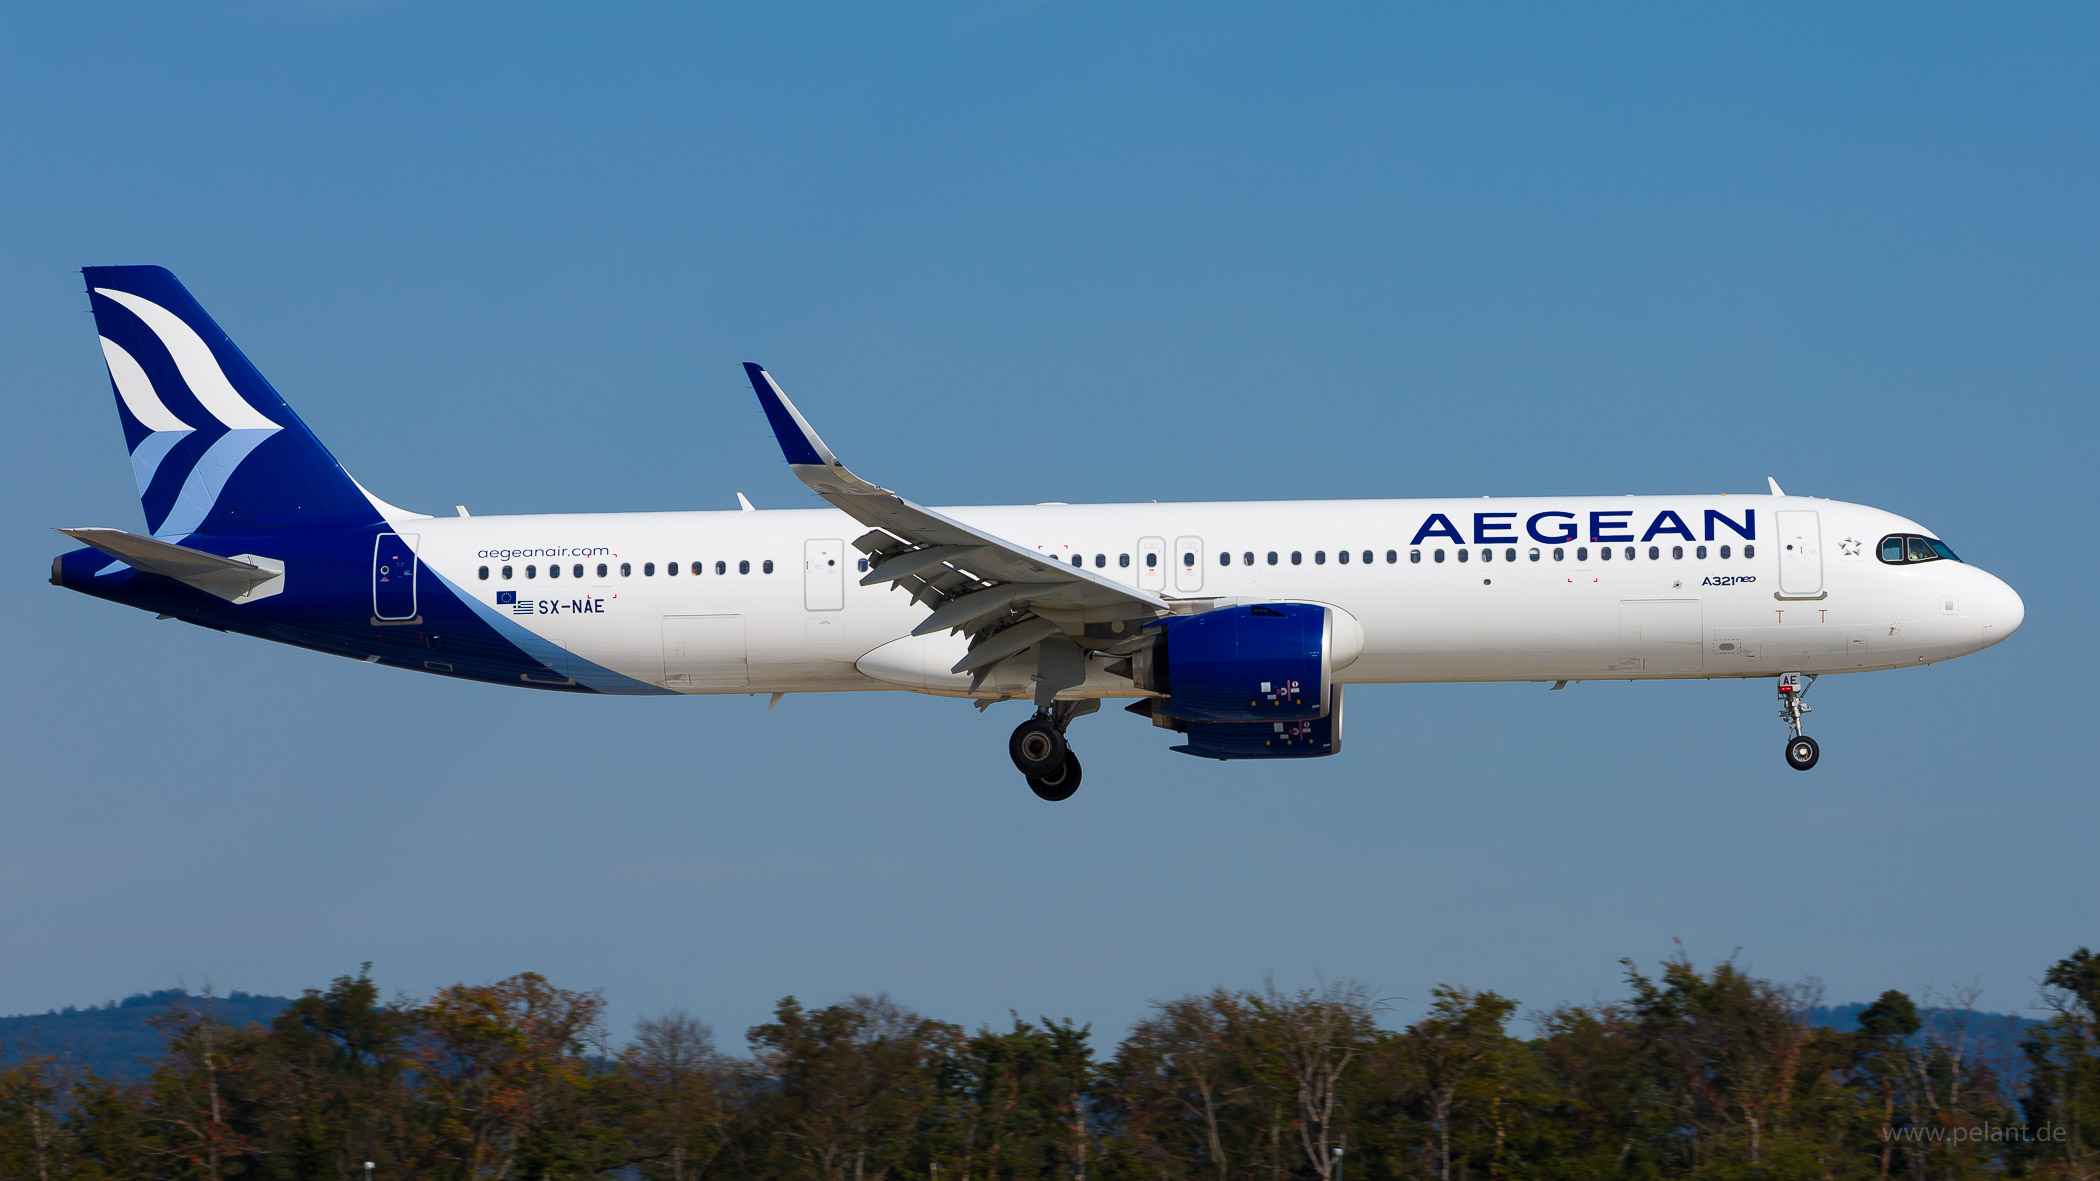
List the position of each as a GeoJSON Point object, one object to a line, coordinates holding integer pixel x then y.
{"type": "Point", "coordinates": [214, 448]}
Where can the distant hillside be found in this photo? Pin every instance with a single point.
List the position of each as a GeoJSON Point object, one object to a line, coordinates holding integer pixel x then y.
{"type": "Point", "coordinates": [113, 1039]}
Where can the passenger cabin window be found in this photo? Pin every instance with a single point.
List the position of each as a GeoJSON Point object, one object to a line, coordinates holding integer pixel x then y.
{"type": "Point", "coordinates": [1534, 553]}
{"type": "Point", "coordinates": [1677, 551]}
{"type": "Point", "coordinates": [1077, 560]}
{"type": "Point", "coordinates": [1151, 561]}
{"type": "Point", "coordinates": [723, 567]}
{"type": "Point", "coordinates": [1486, 554]}
{"type": "Point", "coordinates": [1654, 552]}
{"type": "Point", "coordinates": [1440, 555]}
{"type": "Point", "coordinates": [1297, 558]}
{"type": "Point", "coordinates": [743, 567]}
{"type": "Point", "coordinates": [1724, 551]}
{"type": "Point", "coordinates": [1414, 557]}
{"type": "Point", "coordinates": [1342, 557]}
{"type": "Point", "coordinates": [1510, 554]}
{"type": "Point", "coordinates": [1272, 557]}
{"type": "Point", "coordinates": [506, 574]}
{"type": "Point", "coordinates": [1604, 553]}
{"type": "Point", "coordinates": [1392, 556]}
{"type": "Point", "coordinates": [699, 567]}
{"type": "Point", "coordinates": [626, 569]}
{"type": "Point", "coordinates": [1247, 559]}
{"type": "Point", "coordinates": [670, 569]}
{"type": "Point", "coordinates": [1749, 551]}
{"type": "Point", "coordinates": [1100, 561]}
{"type": "Point", "coordinates": [1319, 557]}
{"type": "Point", "coordinates": [532, 571]}
{"type": "Point", "coordinates": [863, 566]}
{"type": "Point", "coordinates": [648, 569]}
{"type": "Point", "coordinates": [601, 569]}
{"type": "Point", "coordinates": [767, 566]}
{"type": "Point", "coordinates": [1582, 553]}
{"type": "Point", "coordinates": [553, 570]}
{"type": "Point", "coordinates": [484, 574]}
{"type": "Point", "coordinates": [1367, 557]}
{"type": "Point", "coordinates": [1465, 555]}
{"type": "Point", "coordinates": [1559, 553]}
{"type": "Point", "coordinates": [1123, 560]}
{"type": "Point", "coordinates": [1224, 557]}
{"type": "Point", "coordinates": [1700, 552]}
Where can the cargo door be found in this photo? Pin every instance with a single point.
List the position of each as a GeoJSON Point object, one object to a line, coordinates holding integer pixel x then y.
{"type": "Point", "coordinates": [1662, 636]}
{"type": "Point", "coordinates": [705, 652]}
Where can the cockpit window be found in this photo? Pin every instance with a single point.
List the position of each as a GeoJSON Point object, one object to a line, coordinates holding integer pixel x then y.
{"type": "Point", "coordinates": [1912, 548]}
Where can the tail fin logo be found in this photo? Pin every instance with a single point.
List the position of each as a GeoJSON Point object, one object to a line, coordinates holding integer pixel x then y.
{"type": "Point", "coordinates": [234, 428]}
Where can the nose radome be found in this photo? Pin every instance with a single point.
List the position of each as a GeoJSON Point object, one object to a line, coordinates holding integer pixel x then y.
{"type": "Point", "coordinates": [2003, 612]}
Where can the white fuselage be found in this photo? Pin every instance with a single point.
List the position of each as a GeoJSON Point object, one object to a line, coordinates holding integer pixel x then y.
{"type": "Point", "coordinates": [778, 607]}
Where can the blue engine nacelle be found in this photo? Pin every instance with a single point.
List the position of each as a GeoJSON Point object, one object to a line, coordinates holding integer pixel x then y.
{"type": "Point", "coordinates": [1267, 740]}
{"type": "Point", "coordinates": [1271, 662]}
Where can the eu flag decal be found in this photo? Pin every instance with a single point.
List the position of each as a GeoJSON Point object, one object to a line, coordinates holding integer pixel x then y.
{"type": "Point", "coordinates": [506, 598]}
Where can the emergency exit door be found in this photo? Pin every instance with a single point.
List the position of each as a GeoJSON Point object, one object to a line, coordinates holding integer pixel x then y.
{"type": "Point", "coordinates": [1800, 553]}
{"type": "Point", "coordinates": [1152, 563]}
{"type": "Point", "coordinates": [824, 574]}
{"type": "Point", "coordinates": [1188, 564]}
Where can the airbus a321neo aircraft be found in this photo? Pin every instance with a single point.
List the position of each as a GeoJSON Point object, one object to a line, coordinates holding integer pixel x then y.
{"type": "Point", "coordinates": [1236, 625]}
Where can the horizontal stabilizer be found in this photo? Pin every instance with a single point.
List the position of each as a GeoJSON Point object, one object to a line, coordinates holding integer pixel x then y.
{"type": "Point", "coordinates": [236, 580]}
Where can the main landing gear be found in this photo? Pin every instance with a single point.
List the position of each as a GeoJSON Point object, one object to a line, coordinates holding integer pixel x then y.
{"type": "Point", "coordinates": [1801, 750]}
{"type": "Point", "coordinates": [1039, 751]}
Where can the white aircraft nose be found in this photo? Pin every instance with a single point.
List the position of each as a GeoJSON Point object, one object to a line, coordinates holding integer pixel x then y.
{"type": "Point", "coordinates": [2003, 612]}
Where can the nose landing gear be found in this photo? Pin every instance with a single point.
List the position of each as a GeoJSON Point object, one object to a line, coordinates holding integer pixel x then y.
{"type": "Point", "coordinates": [1801, 750]}
{"type": "Point", "coordinates": [1039, 751]}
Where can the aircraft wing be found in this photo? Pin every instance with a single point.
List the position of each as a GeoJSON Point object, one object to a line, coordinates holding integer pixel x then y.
{"type": "Point", "coordinates": [1007, 597]}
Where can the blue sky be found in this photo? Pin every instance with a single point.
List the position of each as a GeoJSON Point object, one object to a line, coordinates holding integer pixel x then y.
{"type": "Point", "coordinates": [511, 255]}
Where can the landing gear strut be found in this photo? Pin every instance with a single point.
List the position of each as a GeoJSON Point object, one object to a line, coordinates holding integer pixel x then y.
{"type": "Point", "coordinates": [1801, 750]}
{"type": "Point", "coordinates": [1040, 753]}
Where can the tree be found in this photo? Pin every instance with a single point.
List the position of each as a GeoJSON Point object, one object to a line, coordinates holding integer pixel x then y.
{"type": "Point", "coordinates": [2063, 1057]}
{"type": "Point", "coordinates": [1179, 1083]}
{"type": "Point", "coordinates": [333, 1068]}
{"type": "Point", "coordinates": [504, 1077]}
{"type": "Point", "coordinates": [1459, 1064]}
{"type": "Point", "coordinates": [851, 1085]}
{"type": "Point", "coordinates": [682, 1086]}
{"type": "Point", "coordinates": [1315, 1036]}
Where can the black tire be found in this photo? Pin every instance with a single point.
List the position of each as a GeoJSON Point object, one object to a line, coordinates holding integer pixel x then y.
{"type": "Point", "coordinates": [1802, 753]}
{"type": "Point", "coordinates": [1059, 784]}
{"type": "Point", "coordinates": [1036, 748]}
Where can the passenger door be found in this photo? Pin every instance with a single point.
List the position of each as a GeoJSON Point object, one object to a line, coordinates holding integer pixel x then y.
{"type": "Point", "coordinates": [394, 577]}
{"type": "Point", "coordinates": [1800, 554]}
{"type": "Point", "coordinates": [1188, 564]}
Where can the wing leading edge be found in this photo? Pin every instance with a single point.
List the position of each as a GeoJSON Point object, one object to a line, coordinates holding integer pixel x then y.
{"type": "Point", "coordinates": [1008, 598]}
